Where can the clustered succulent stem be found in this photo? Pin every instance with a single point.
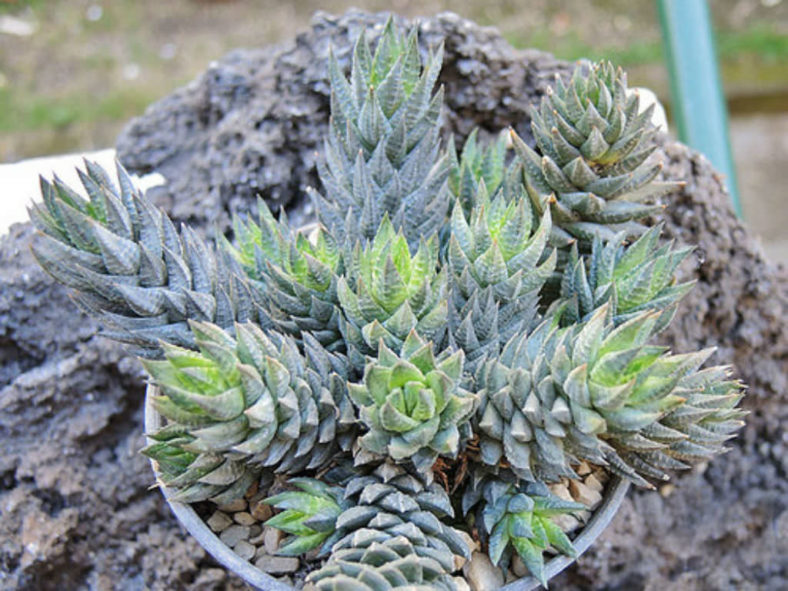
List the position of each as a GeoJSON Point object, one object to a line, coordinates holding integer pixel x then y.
{"type": "Point", "coordinates": [494, 311]}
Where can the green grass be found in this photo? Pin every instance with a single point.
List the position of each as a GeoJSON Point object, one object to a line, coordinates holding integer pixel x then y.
{"type": "Point", "coordinates": [756, 56]}
{"type": "Point", "coordinates": [19, 112]}
{"type": "Point", "coordinates": [760, 41]}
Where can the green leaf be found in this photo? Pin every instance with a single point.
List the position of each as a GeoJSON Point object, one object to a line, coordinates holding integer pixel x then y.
{"type": "Point", "coordinates": [532, 558]}
{"type": "Point", "coordinates": [393, 419]}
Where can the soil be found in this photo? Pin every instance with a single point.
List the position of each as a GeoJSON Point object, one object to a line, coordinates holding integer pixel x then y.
{"type": "Point", "coordinates": [76, 508]}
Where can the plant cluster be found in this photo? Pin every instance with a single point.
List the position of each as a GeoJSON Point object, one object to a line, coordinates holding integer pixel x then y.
{"type": "Point", "coordinates": [494, 309]}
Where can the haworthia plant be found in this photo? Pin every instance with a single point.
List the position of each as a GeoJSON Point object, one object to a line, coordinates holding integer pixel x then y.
{"type": "Point", "coordinates": [590, 166]}
{"type": "Point", "coordinates": [254, 397]}
{"type": "Point", "coordinates": [455, 333]}
{"type": "Point", "coordinates": [387, 293]}
{"type": "Point", "coordinates": [131, 267]}
{"type": "Point", "coordinates": [297, 277]}
{"type": "Point", "coordinates": [382, 153]}
{"type": "Point", "coordinates": [412, 404]}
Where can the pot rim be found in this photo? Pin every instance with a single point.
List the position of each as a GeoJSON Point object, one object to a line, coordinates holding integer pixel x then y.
{"type": "Point", "coordinates": [613, 497]}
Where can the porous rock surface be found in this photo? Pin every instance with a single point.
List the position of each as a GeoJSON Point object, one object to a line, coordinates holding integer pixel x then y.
{"type": "Point", "coordinates": [75, 509]}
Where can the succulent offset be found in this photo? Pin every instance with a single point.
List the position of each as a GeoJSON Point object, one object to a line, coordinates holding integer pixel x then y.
{"type": "Point", "coordinates": [382, 153]}
{"type": "Point", "coordinates": [388, 292]}
{"type": "Point", "coordinates": [412, 404]}
{"type": "Point", "coordinates": [498, 265]}
{"type": "Point", "coordinates": [590, 166]}
{"type": "Point", "coordinates": [309, 515]}
{"type": "Point", "coordinates": [479, 163]}
{"type": "Point", "coordinates": [252, 402]}
{"type": "Point", "coordinates": [633, 278]}
{"type": "Point", "coordinates": [392, 506]}
{"type": "Point", "coordinates": [130, 266]}
{"type": "Point", "coordinates": [491, 315]}
{"type": "Point", "coordinates": [296, 277]}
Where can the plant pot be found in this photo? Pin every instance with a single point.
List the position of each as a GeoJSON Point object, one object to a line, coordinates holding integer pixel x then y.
{"type": "Point", "coordinates": [194, 524]}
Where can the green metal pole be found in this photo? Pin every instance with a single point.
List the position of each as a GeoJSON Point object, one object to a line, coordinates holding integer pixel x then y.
{"type": "Point", "coordinates": [699, 109]}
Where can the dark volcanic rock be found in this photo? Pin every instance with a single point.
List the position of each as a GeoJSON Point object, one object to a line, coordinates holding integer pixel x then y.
{"type": "Point", "coordinates": [75, 509]}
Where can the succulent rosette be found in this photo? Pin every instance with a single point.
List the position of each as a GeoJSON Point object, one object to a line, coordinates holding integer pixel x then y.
{"type": "Point", "coordinates": [412, 404]}
{"type": "Point", "coordinates": [296, 275]}
{"type": "Point", "coordinates": [388, 292]}
{"type": "Point", "coordinates": [591, 169]}
{"type": "Point", "coordinates": [308, 514]}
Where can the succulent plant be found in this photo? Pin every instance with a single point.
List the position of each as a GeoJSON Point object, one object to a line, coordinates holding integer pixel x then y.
{"type": "Point", "coordinates": [498, 265]}
{"type": "Point", "coordinates": [476, 323]}
{"type": "Point", "coordinates": [387, 293]}
{"type": "Point", "coordinates": [694, 432]}
{"type": "Point", "coordinates": [590, 167]}
{"type": "Point", "coordinates": [129, 265]}
{"type": "Point", "coordinates": [518, 518]}
{"type": "Point", "coordinates": [197, 476]}
{"type": "Point", "coordinates": [382, 153]}
{"type": "Point", "coordinates": [522, 420]}
{"type": "Point", "coordinates": [596, 392]}
{"type": "Point", "coordinates": [296, 275]}
{"type": "Point", "coordinates": [412, 404]}
{"type": "Point", "coordinates": [251, 400]}
{"type": "Point", "coordinates": [633, 278]}
{"type": "Point", "coordinates": [392, 506]}
{"type": "Point", "coordinates": [370, 565]}
{"type": "Point", "coordinates": [309, 515]}
{"type": "Point", "coordinates": [478, 163]}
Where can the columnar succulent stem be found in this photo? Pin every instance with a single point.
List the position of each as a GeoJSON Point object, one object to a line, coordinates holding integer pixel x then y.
{"type": "Point", "coordinates": [590, 166]}
{"type": "Point", "coordinates": [382, 153]}
{"type": "Point", "coordinates": [131, 268]}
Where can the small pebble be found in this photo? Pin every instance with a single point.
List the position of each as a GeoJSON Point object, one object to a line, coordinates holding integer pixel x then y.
{"type": "Point", "coordinates": [481, 574]}
{"type": "Point", "coordinates": [234, 534]}
{"type": "Point", "coordinates": [593, 483]}
{"type": "Point", "coordinates": [561, 491]}
{"type": "Point", "coordinates": [666, 490]}
{"type": "Point", "coordinates": [244, 549]}
{"type": "Point", "coordinates": [584, 494]}
{"type": "Point", "coordinates": [257, 540]}
{"type": "Point", "coordinates": [254, 531]}
{"type": "Point", "coordinates": [234, 506]}
{"type": "Point", "coordinates": [252, 492]}
{"type": "Point", "coordinates": [277, 565]}
{"type": "Point", "coordinates": [583, 468]}
{"type": "Point", "coordinates": [218, 522]}
{"type": "Point", "coordinates": [518, 566]}
{"type": "Point", "coordinates": [459, 561]}
{"type": "Point", "coordinates": [261, 511]}
{"type": "Point", "coordinates": [472, 543]}
{"type": "Point", "coordinates": [244, 518]}
{"type": "Point", "coordinates": [567, 523]}
{"type": "Point", "coordinates": [271, 539]}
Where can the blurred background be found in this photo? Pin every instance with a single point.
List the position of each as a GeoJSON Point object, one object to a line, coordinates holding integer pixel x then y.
{"type": "Point", "coordinates": [73, 72]}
